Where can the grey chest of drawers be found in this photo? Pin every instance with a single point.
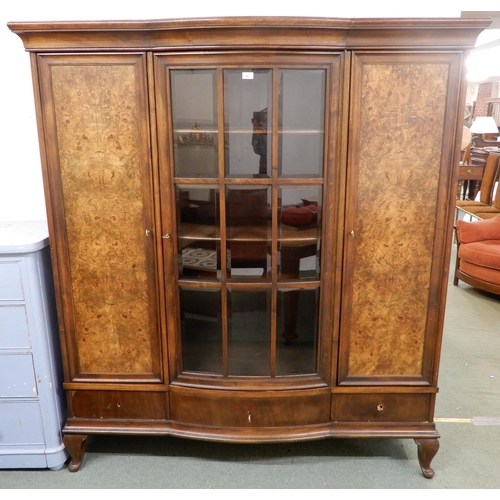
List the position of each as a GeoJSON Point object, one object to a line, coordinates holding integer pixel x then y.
{"type": "Point", "coordinates": [31, 401]}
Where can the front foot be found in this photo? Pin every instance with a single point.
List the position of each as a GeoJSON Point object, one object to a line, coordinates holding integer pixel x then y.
{"type": "Point", "coordinates": [427, 449]}
{"type": "Point", "coordinates": [75, 444]}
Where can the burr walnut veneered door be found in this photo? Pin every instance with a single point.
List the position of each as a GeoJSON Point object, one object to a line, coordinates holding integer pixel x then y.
{"type": "Point", "coordinates": [243, 165]}
{"type": "Point", "coordinates": [397, 209]}
{"type": "Point", "coordinates": [99, 171]}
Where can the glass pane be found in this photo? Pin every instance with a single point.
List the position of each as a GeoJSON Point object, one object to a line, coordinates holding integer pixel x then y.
{"type": "Point", "coordinates": [194, 115]}
{"type": "Point", "coordinates": [201, 330]}
{"type": "Point", "coordinates": [302, 110]}
{"type": "Point", "coordinates": [248, 214]}
{"type": "Point", "coordinates": [299, 232]}
{"type": "Point", "coordinates": [249, 333]}
{"type": "Point", "coordinates": [247, 122]}
{"type": "Point", "coordinates": [198, 231]}
{"type": "Point", "coordinates": [298, 325]}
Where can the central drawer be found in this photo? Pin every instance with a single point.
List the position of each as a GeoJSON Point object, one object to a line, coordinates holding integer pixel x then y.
{"type": "Point", "coordinates": [250, 409]}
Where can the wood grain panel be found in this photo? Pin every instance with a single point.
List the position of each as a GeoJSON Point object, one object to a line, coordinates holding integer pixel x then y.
{"type": "Point", "coordinates": [381, 407]}
{"type": "Point", "coordinates": [98, 118]}
{"type": "Point", "coordinates": [247, 409]}
{"type": "Point", "coordinates": [118, 405]}
{"type": "Point", "coordinates": [394, 191]}
{"type": "Point", "coordinates": [278, 32]}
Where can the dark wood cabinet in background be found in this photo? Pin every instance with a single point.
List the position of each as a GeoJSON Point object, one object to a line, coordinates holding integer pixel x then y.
{"type": "Point", "coordinates": [251, 222]}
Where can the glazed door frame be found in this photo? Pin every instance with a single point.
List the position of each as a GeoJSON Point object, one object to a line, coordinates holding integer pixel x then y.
{"type": "Point", "coordinates": [330, 179]}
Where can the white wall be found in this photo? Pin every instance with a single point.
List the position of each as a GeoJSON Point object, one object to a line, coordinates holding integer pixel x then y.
{"type": "Point", "coordinates": [21, 189]}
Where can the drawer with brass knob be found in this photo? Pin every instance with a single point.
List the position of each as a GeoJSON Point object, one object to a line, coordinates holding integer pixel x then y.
{"type": "Point", "coordinates": [380, 407]}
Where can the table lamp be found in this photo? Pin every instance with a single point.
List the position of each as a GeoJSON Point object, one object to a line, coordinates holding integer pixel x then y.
{"type": "Point", "coordinates": [484, 125]}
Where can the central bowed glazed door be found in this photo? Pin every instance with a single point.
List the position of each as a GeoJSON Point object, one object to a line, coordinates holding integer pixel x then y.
{"type": "Point", "coordinates": [243, 165]}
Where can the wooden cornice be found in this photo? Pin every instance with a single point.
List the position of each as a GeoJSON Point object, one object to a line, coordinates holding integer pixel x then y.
{"type": "Point", "coordinates": [250, 33]}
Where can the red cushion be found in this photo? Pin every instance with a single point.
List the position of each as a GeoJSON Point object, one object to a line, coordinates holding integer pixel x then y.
{"type": "Point", "coordinates": [481, 253]}
{"type": "Point", "coordinates": [486, 229]}
{"type": "Point", "coordinates": [481, 273]}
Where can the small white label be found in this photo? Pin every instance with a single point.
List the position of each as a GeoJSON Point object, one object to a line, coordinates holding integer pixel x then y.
{"type": "Point", "coordinates": [247, 75]}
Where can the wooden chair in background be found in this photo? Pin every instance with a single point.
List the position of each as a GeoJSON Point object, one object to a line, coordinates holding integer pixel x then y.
{"type": "Point", "coordinates": [487, 212]}
{"type": "Point", "coordinates": [488, 181]}
{"type": "Point", "coordinates": [465, 159]}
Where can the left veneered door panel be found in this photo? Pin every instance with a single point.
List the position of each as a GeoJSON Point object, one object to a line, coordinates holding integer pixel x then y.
{"type": "Point", "coordinates": [100, 191]}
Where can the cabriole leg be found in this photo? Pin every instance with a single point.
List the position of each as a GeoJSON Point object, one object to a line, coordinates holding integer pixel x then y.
{"type": "Point", "coordinates": [427, 449]}
{"type": "Point", "coordinates": [75, 444]}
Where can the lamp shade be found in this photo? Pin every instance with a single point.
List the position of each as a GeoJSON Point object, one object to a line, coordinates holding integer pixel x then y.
{"type": "Point", "coordinates": [484, 125]}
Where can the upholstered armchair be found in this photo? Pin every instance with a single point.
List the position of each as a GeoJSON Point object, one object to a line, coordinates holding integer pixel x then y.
{"type": "Point", "coordinates": [478, 254]}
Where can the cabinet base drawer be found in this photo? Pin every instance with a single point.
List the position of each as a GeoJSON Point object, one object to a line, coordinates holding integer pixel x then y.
{"type": "Point", "coordinates": [380, 407]}
{"type": "Point", "coordinates": [245, 410]}
{"type": "Point", "coordinates": [119, 405]}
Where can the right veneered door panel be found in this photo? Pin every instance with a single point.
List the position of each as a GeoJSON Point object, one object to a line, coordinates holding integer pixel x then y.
{"type": "Point", "coordinates": [396, 207]}
{"type": "Point", "coordinates": [100, 175]}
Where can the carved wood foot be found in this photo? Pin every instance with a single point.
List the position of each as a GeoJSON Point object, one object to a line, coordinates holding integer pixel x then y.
{"type": "Point", "coordinates": [75, 444]}
{"type": "Point", "coordinates": [427, 449]}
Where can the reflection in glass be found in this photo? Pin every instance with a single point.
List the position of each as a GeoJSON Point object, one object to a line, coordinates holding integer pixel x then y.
{"type": "Point", "coordinates": [302, 108]}
{"type": "Point", "coordinates": [299, 232]}
{"type": "Point", "coordinates": [239, 344]}
{"type": "Point", "coordinates": [248, 216]}
{"type": "Point", "coordinates": [297, 331]}
{"type": "Point", "coordinates": [249, 333]}
{"type": "Point", "coordinates": [198, 231]}
{"type": "Point", "coordinates": [201, 330]}
{"type": "Point", "coordinates": [194, 115]}
{"type": "Point", "coordinates": [247, 122]}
